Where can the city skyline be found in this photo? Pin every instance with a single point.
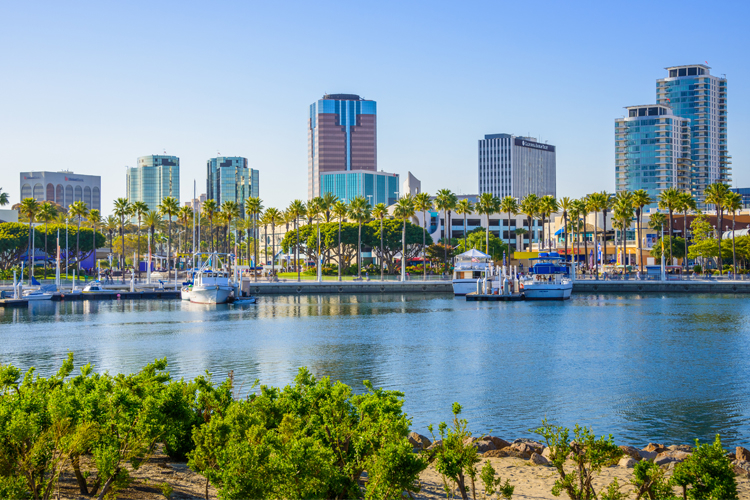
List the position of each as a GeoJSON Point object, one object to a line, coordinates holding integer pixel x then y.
{"type": "Point", "coordinates": [79, 101]}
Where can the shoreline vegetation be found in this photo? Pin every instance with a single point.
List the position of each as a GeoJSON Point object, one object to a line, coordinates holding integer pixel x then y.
{"type": "Point", "coordinates": [146, 435]}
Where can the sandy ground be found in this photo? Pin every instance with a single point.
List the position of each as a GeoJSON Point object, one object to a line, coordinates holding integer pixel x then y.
{"type": "Point", "coordinates": [530, 481]}
{"type": "Point", "coordinates": [535, 481]}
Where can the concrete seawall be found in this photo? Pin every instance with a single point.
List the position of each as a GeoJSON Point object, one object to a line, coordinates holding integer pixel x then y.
{"type": "Point", "coordinates": [686, 286]}
{"type": "Point", "coordinates": [345, 287]}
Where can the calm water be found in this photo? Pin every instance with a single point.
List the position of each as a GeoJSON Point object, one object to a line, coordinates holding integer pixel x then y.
{"type": "Point", "coordinates": [644, 368]}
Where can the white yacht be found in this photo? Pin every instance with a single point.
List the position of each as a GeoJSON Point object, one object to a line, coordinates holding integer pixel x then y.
{"type": "Point", "coordinates": [96, 287]}
{"type": "Point", "coordinates": [37, 295]}
{"type": "Point", "coordinates": [211, 285]}
{"type": "Point", "coordinates": [548, 279]}
{"type": "Point", "coordinates": [470, 267]}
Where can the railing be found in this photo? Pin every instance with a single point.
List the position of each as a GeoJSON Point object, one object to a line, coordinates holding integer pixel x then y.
{"type": "Point", "coordinates": [670, 277]}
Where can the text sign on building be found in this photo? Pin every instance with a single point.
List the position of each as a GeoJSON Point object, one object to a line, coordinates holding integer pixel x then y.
{"type": "Point", "coordinates": [535, 145]}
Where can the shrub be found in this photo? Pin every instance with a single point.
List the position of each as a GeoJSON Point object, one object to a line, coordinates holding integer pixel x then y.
{"type": "Point", "coordinates": [588, 453]}
{"type": "Point", "coordinates": [697, 268]}
{"type": "Point", "coordinates": [707, 474]}
{"type": "Point", "coordinates": [650, 482]}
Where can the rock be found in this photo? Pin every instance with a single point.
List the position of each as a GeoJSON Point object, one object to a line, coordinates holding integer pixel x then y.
{"type": "Point", "coordinates": [647, 455]}
{"type": "Point", "coordinates": [547, 452]}
{"type": "Point", "coordinates": [419, 441]}
{"type": "Point", "coordinates": [484, 446]}
{"type": "Point", "coordinates": [742, 454]}
{"type": "Point", "coordinates": [680, 456]}
{"type": "Point", "coordinates": [495, 454]}
{"type": "Point", "coordinates": [499, 443]}
{"type": "Point", "coordinates": [535, 445]}
{"type": "Point", "coordinates": [524, 450]}
{"type": "Point", "coordinates": [628, 462]}
{"type": "Point", "coordinates": [731, 456]}
{"type": "Point", "coordinates": [631, 451]}
{"type": "Point", "coordinates": [537, 459]}
{"type": "Point", "coordinates": [741, 468]}
{"type": "Point", "coordinates": [436, 444]}
{"type": "Point", "coordinates": [664, 459]}
{"type": "Point", "coordinates": [509, 451]}
{"type": "Point", "coordinates": [681, 447]}
{"type": "Point", "coordinates": [656, 448]}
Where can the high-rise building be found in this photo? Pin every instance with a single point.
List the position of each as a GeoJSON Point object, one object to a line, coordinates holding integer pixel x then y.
{"type": "Point", "coordinates": [692, 92]}
{"type": "Point", "coordinates": [155, 178]}
{"type": "Point", "coordinates": [516, 166]}
{"type": "Point", "coordinates": [375, 187]}
{"type": "Point", "coordinates": [652, 150]}
{"type": "Point", "coordinates": [228, 178]}
{"type": "Point", "coordinates": [341, 136]}
{"type": "Point", "coordinates": [62, 188]}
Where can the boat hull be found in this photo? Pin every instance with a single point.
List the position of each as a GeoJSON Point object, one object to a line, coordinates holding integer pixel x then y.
{"type": "Point", "coordinates": [210, 294]}
{"type": "Point", "coordinates": [465, 286]}
{"type": "Point", "coordinates": [548, 291]}
{"type": "Point", "coordinates": [38, 296]}
{"type": "Point", "coordinates": [185, 293]}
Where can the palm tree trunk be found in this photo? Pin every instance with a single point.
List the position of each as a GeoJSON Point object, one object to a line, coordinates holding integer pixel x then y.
{"type": "Point", "coordinates": [670, 236]}
{"type": "Point", "coordinates": [273, 248]}
{"type": "Point", "coordinates": [508, 232]}
{"type": "Point", "coordinates": [565, 233]}
{"type": "Point", "coordinates": [596, 242]}
{"type": "Point", "coordinates": [424, 238]}
{"type": "Point", "coordinates": [640, 241]}
{"type": "Point", "coordinates": [169, 247]}
{"type": "Point", "coordinates": [585, 244]}
{"type": "Point", "coordinates": [381, 249]}
{"type": "Point", "coordinates": [734, 254]}
{"type": "Point", "coordinates": [28, 253]}
{"type": "Point", "coordinates": [403, 251]}
{"type": "Point", "coordinates": [542, 242]}
{"type": "Point", "coordinates": [718, 237]}
{"type": "Point", "coordinates": [139, 247]}
{"type": "Point", "coordinates": [465, 233]}
{"type": "Point", "coordinates": [341, 257]}
{"type": "Point", "coordinates": [359, 251]}
{"type": "Point", "coordinates": [445, 239]}
{"type": "Point", "coordinates": [604, 238]}
{"type": "Point", "coordinates": [45, 248]}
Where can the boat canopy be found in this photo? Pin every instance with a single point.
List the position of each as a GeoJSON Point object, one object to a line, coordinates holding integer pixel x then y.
{"type": "Point", "coordinates": [472, 255]}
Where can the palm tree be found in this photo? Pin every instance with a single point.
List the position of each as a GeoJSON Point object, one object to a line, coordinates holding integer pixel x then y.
{"type": "Point", "coordinates": [380, 212]}
{"type": "Point", "coordinates": [360, 211]}
{"type": "Point", "coordinates": [272, 216]}
{"type": "Point", "coordinates": [139, 209]}
{"type": "Point", "coordinates": [327, 202]}
{"type": "Point", "coordinates": [446, 201]}
{"type": "Point", "coordinates": [509, 205]}
{"type": "Point", "coordinates": [185, 216]}
{"type": "Point", "coordinates": [641, 198]}
{"type": "Point", "coordinates": [585, 210]}
{"type": "Point", "coordinates": [530, 207]}
{"type": "Point", "coordinates": [153, 222]}
{"type": "Point", "coordinates": [110, 224]}
{"type": "Point", "coordinates": [314, 212]}
{"type": "Point", "coordinates": [623, 207]}
{"type": "Point", "coordinates": [403, 210]}
{"type": "Point", "coordinates": [123, 209]}
{"type": "Point", "coordinates": [4, 200]}
{"type": "Point", "coordinates": [668, 200]}
{"type": "Point", "coordinates": [297, 210]}
{"type": "Point", "coordinates": [576, 209]}
{"type": "Point", "coordinates": [340, 210]}
{"type": "Point", "coordinates": [717, 194]}
{"type": "Point", "coordinates": [547, 206]}
{"type": "Point", "coordinates": [685, 202]}
{"type": "Point", "coordinates": [423, 203]}
{"type": "Point", "coordinates": [565, 205]}
{"type": "Point", "coordinates": [733, 204]}
{"type": "Point", "coordinates": [253, 208]}
{"type": "Point", "coordinates": [231, 210]}
{"type": "Point", "coordinates": [47, 212]}
{"type": "Point", "coordinates": [487, 204]}
{"type": "Point", "coordinates": [94, 220]}
{"type": "Point", "coordinates": [79, 210]}
{"type": "Point", "coordinates": [656, 222]}
{"type": "Point", "coordinates": [465, 207]}
{"type": "Point", "coordinates": [594, 203]}
{"type": "Point", "coordinates": [606, 206]}
{"type": "Point", "coordinates": [169, 207]}
{"type": "Point", "coordinates": [209, 209]}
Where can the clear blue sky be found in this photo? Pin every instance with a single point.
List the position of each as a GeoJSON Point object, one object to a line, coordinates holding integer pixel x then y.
{"type": "Point", "coordinates": [90, 86]}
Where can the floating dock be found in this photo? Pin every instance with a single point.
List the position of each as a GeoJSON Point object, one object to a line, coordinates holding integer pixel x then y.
{"type": "Point", "coordinates": [483, 297]}
{"type": "Point", "coordinates": [14, 302]}
{"type": "Point", "coordinates": [156, 294]}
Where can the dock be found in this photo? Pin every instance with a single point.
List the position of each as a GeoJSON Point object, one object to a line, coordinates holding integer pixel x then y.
{"type": "Point", "coordinates": [484, 297]}
{"type": "Point", "coordinates": [156, 294]}
{"type": "Point", "coordinates": [14, 303]}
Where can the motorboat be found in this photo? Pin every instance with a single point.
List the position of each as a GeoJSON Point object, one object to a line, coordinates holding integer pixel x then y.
{"type": "Point", "coordinates": [185, 290]}
{"type": "Point", "coordinates": [37, 295]}
{"type": "Point", "coordinates": [548, 278]}
{"type": "Point", "coordinates": [470, 266]}
{"type": "Point", "coordinates": [96, 287]}
{"type": "Point", "coordinates": [245, 300]}
{"type": "Point", "coordinates": [211, 284]}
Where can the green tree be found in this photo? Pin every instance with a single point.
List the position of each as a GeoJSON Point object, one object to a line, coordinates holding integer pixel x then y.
{"type": "Point", "coordinates": [231, 211]}
{"type": "Point", "coordinates": [669, 200]}
{"type": "Point", "coordinates": [79, 210]}
{"type": "Point", "coordinates": [209, 208]}
{"type": "Point", "coordinates": [4, 200]}
{"type": "Point", "coordinates": [47, 212]}
{"type": "Point", "coordinates": [273, 216]}
{"type": "Point", "coordinates": [168, 208]}
{"type": "Point", "coordinates": [139, 210]}
{"type": "Point", "coordinates": [110, 225]}
{"type": "Point", "coordinates": [685, 202]}
{"type": "Point", "coordinates": [380, 212]}
{"type": "Point", "coordinates": [530, 207]}
{"type": "Point", "coordinates": [123, 209]}
{"type": "Point", "coordinates": [297, 210]}
{"type": "Point", "coordinates": [29, 207]}
{"type": "Point", "coordinates": [487, 204]}
{"type": "Point", "coordinates": [565, 204]}
{"type": "Point", "coordinates": [404, 210]}
{"type": "Point", "coordinates": [464, 207]}
{"type": "Point", "coordinates": [704, 245]}
{"type": "Point", "coordinates": [641, 198]}
{"type": "Point", "coordinates": [359, 211]}
{"type": "Point", "coordinates": [716, 194]}
{"type": "Point", "coordinates": [423, 203]}
{"type": "Point", "coordinates": [253, 209]}
{"type": "Point", "coordinates": [707, 474]}
{"type": "Point", "coordinates": [623, 215]}
{"type": "Point", "coordinates": [477, 239]}
{"type": "Point", "coordinates": [733, 204]}
{"type": "Point", "coordinates": [547, 206]}
{"type": "Point", "coordinates": [446, 201]}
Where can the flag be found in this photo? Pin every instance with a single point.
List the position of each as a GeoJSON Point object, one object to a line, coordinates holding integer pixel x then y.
{"type": "Point", "coordinates": [591, 258]}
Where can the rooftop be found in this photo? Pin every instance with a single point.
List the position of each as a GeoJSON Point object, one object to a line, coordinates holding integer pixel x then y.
{"type": "Point", "coordinates": [343, 97]}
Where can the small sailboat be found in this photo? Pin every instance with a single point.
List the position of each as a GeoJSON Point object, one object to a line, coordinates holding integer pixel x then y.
{"type": "Point", "coordinates": [37, 295]}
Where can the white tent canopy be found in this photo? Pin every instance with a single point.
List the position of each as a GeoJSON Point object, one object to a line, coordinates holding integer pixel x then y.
{"type": "Point", "coordinates": [472, 254]}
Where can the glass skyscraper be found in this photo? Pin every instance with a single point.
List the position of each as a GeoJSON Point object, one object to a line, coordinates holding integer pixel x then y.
{"type": "Point", "coordinates": [692, 92]}
{"type": "Point", "coordinates": [342, 136]}
{"type": "Point", "coordinates": [652, 150]}
{"type": "Point", "coordinates": [516, 166]}
{"type": "Point", "coordinates": [228, 178]}
{"type": "Point", "coordinates": [155, 178]}
{"type": "Point", "coordinates": [375, 187]}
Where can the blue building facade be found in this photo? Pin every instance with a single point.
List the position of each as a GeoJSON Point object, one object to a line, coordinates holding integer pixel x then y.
{"type": "Point", "coordinates": [228, 178]}
{"type": "Point", "coordinates": [375, 187]}
{"type": "Point", "coordinates": [155, 178]}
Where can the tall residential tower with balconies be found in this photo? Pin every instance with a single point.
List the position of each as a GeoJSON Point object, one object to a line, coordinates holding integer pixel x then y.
{"type": "Point", "coordinates": [693, 92]}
